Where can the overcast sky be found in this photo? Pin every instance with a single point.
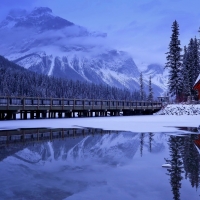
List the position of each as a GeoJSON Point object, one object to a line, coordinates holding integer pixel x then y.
{"type": "Point", "coordinates": [142, 27]}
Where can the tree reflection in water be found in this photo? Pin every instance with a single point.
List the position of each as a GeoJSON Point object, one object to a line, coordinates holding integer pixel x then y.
{"type": "Point", "coordinates": [183, 155]}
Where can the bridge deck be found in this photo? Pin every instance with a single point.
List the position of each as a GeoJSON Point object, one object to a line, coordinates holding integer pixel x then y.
{"type": "Point", "coordinates": [9, 106]}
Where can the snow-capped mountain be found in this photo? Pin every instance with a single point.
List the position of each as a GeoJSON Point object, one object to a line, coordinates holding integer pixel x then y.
{"type": "Point", "coordinates": [158, 75]}
{"type": "Point", "coordinates": [48, 44]}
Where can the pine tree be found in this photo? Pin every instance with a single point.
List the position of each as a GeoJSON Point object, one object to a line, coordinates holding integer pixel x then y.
{"type": "Point", "coordinates": [195, 65]}
{"type": "Point", "coordinates": [141, 88]}
{"type": "Point", "coordinates": [150, 96]}
{"type": "Point", "coordinates": [185, 71]}
{"type": "Point", "coordinates": [174, 63]}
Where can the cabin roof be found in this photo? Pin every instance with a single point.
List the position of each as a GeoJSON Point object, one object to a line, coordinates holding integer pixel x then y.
{"type": "Point", "coordinates": [197, 80]}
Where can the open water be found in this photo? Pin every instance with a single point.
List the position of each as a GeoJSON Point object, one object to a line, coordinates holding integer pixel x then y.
{"type": "Point", "coordinates": [84, 164]}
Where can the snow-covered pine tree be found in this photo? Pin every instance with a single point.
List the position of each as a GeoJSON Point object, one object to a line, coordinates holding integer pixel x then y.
{"type": "Point", "coordinates": [185, 71]}
{"type": "Point", "coordinates": [141, 87]}
{"type": "Point", "coordinates": [174, 63]}
{"type": "Point", "coordinates": [150, 96]}
{"type": "Point", "coordinates": [195, 65]}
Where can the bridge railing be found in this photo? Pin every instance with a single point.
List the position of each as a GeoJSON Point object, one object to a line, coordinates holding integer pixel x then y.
{"type": "Point", "coordinates": [74, 103]}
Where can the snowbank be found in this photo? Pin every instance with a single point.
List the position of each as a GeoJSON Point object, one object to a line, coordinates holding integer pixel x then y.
{"type": "Point", "coordinates": [180, 109]}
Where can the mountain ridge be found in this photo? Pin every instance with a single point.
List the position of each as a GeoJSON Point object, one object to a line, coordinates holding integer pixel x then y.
{"type": "Point", "coordinates": [51, 45]}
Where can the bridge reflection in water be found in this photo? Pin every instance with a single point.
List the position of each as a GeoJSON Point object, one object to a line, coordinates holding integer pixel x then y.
{"type": "Point", "coordinates": [46, 134]}
{"type": "Point", "coordinates": [37, 108]}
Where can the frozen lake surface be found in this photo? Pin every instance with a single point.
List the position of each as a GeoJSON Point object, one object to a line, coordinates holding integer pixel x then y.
{"type": "Point", "coordinates": [148, 123]}
{"type": "Point", "coordinates": [122, 165]}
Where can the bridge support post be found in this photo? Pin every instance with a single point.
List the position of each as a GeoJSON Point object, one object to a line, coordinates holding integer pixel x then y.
{"type": "Point", "coordinates": [67, 114]}
{"type": "Point", "coordinates": [14, 115]}
{"type": "Point", "coordinates": [1, 115]}
{"type": "Point", "coordinates": [32, 114]}
{"type": "Point", "coordinates": [37, 114]}
{"type": "Point", "coordinates": [44, 114]}
{"type": "Point", "coordinates": [25, 114]}
{"type": "Point", "coordinates": [59, 114]}
{"type": "Point", "coordinates": [21, 115]}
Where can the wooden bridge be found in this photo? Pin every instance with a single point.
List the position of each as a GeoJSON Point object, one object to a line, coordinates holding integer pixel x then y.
{"type": "Point", "coordinates": [37, 108]}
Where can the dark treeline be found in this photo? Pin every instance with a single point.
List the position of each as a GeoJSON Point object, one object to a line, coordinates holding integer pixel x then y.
{"type": "Point", "coordinates": [17, 81]}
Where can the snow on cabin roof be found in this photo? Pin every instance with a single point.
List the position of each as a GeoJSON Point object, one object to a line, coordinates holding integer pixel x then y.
{"type": "Point", "coordinates": [198, 78]}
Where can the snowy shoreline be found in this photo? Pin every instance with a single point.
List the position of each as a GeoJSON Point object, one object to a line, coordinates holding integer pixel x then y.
{"type": "Point", "coordinates": [148, 123]}
{"type": "Point", "coordinates": [180, 109]}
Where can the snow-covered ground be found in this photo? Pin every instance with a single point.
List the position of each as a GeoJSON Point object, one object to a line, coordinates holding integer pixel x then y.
{"type": "Point", "coordinates": [150, 123]}
{"type": "Point", "coordinates": [180, 109]}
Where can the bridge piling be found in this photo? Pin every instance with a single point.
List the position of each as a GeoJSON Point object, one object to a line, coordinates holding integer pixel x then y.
{"type": "Point", "coordinates": [37, 114]}
{"type": "Point", "coordinates": [32, 114]}
{"type": "Point", "coordinates": [25, 114]}
{"type": "Point", "coordinates": [73, 114]}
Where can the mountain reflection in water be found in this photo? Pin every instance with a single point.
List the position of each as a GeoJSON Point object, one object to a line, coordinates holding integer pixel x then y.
{"type": "Point", "coordinates": [98, 164]}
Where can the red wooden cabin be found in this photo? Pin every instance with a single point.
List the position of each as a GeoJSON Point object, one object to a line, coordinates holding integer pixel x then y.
{"type": "Point", "coordinates": [197, 86]}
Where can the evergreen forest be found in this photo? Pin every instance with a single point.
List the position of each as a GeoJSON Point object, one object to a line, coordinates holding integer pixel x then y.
{"type": "Point", "coordinates": [18, 81]}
